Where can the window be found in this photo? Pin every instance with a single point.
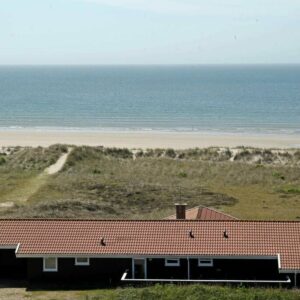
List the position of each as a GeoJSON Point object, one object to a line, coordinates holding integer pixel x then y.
{"type": "Point", "coordinates": [205, 262]}
{"type": "Point", "coordinates": [50, 264]}
{"type": "Point", "coordinates": [172, 262]}
{"type": "Point", "coordinates": [82, 261]}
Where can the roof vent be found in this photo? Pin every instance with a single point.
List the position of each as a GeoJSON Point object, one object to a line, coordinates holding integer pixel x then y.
{"type": "Point", "coordinates": [191, 234]}
{"type": "Point", "coordinates": [225, 234]}
{"type": "Point", "coordinates": [102, 242]}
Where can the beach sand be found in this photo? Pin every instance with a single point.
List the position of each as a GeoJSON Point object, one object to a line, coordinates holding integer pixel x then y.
{"type": "Point", "coordinates": [145, 139]}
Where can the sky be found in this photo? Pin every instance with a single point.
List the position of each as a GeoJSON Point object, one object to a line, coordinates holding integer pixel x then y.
{"type": "Point", "coordinates": [43, 32]}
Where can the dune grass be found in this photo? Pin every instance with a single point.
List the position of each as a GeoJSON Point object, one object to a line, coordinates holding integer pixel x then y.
{"type": "Point", "coordinates": [21, 174]}
{"type": "Point", "coordinates": [101, 182]}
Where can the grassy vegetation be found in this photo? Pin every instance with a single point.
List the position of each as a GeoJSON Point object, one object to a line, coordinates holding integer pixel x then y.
{"type": "Point", "coordinates": [99, 182]}
{"type": "Point", "coordinates": [20, 167]}
{"type": "Point", "coordinates": [164, 292]}
{"type": "Point", "coordinates": [108, 183]}
{"type": "Point", "coordinates": [290, 190]}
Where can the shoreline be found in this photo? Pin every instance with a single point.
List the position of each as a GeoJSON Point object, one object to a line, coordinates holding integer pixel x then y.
{"type": "Point", "coordinates": [146, 139]}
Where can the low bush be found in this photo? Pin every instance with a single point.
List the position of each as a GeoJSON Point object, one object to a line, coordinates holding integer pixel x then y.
{"type": "Point", "coordinates": [290, 190]}
{"type": "Point", "coordinates": [170, 153]}
{"type": "Point", "coordinates": [195, 292]}
{"type": "Point", "coordinates": [278, 175]}
{"type": "Point", "coordinates": [2, 160]}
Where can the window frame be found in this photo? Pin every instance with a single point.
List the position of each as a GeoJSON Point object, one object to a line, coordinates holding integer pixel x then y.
{"type": "Point", "coordinates": [210, 262]}
{"type": "Point", "coordinates": [45, 269]}
{"type": "Point", "coordinates": [172, 264]}
{"type": "Point", "coordinates": [87, 263]}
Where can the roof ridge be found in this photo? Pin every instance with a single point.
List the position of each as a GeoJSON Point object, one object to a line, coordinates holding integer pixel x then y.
{"type": "Point", "coordinates": [217, 211]}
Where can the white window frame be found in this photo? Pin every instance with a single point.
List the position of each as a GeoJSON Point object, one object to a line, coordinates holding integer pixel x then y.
{"type": "Point", "coordinates": [77, 263]}
{"type": "Point", "coordinates": [45, 269]}
{"type": "Point", "coordinates": [205, 262]}
{"type": "Point", "coordinates": [175, 263]}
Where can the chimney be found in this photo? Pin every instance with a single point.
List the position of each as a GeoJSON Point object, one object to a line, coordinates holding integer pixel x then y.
{"type": "Point", "coordinates": [180, 211]}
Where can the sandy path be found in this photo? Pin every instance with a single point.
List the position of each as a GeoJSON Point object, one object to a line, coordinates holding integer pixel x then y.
{"type": "Point", "coordinates": [59, 164]}
{"type": "Point", "coordinates": [23, 193]}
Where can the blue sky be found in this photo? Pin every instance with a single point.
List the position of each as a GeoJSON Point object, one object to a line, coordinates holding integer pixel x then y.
{"type": "Point", "coordinates": [149, 32]}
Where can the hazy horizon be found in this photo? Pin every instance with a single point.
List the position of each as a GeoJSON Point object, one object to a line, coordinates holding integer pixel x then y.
{"type": "Point", "coordinates": [152, 65]}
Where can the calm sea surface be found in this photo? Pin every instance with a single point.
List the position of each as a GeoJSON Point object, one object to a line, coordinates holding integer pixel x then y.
{"type": "Point", "coordinates": [254, 99]}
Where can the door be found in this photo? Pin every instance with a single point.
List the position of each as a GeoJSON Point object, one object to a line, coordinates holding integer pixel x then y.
{"type": "Point", "coordinates": [139, 268]}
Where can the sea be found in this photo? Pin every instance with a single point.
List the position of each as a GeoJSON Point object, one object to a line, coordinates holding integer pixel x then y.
{"type": "Point", "coordinates": [256, 99]}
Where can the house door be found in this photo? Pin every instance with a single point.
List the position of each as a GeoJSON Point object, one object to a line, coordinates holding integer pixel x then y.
{"type": "Point", "coordinates": [139, 268]}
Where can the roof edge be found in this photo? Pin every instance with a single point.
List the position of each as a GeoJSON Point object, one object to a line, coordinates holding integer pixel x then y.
{"type": "Point", "coordinates": [147, 220]}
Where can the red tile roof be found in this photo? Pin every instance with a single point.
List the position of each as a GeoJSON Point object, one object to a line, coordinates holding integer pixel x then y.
{"type": "Point", "coordinates": [204, 213]}
{"type": "Point", "coordinates": [164, 237]}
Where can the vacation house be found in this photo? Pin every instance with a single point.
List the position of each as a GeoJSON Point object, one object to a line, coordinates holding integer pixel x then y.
{"type": "Point", "coordinates": [115, 251]}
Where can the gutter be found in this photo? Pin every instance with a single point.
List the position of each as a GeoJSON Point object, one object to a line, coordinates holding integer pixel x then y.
{"type": "Point", "coordinates": [123, 278]}
{"type": "Point", "coordinates": [93, 255]}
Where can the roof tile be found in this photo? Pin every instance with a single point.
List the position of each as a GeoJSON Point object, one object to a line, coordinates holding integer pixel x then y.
{"type": "Point", "coordinates": [163, 237]}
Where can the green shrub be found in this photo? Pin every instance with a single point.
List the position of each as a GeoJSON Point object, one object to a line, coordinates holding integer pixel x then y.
{"type": "Point", "coordinates": [158, 152]}
{"type": "Point", "coordinates": [181, 155]}
{"type": "Point", "coordinates": [228, 153]}
{"type": "Point", "coordinates": [2, 160]}
{"type": "Point", "coordinates": [170, 153]}
{"type": "Point", "coordinates": [96, 171]}
{"type": "Point", "coordinates": [243, 155]}
{"type": "Point", "coordinates": [290, 190]}
{"type": "Point", "coordinates": [192, 153]}
{"type": "Point", "coordinates": [278, 175]}
{"type": "Point", "coordinates": [197, 292]}
{"type": "Point", "coordinates": [139, 153]}
{"type": "Point", "coordinates": [118, 152]}
{"type": "Point", "coordinates": [182, 174]}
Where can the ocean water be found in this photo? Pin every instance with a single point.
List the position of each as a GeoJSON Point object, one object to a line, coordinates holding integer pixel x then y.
{"type": "Point", "coordinates": [253, 99]}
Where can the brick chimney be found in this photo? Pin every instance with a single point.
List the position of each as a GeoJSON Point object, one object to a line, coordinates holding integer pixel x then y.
{"type": "Point", "coordinates": [180, 211]}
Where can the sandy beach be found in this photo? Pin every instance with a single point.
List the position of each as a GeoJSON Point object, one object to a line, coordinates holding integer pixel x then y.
{"type": "Point", "coordinates": [145, 139]}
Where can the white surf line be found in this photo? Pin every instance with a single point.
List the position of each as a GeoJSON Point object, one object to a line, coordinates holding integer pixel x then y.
{"type": "Point", "coordinates": [59, 164]}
